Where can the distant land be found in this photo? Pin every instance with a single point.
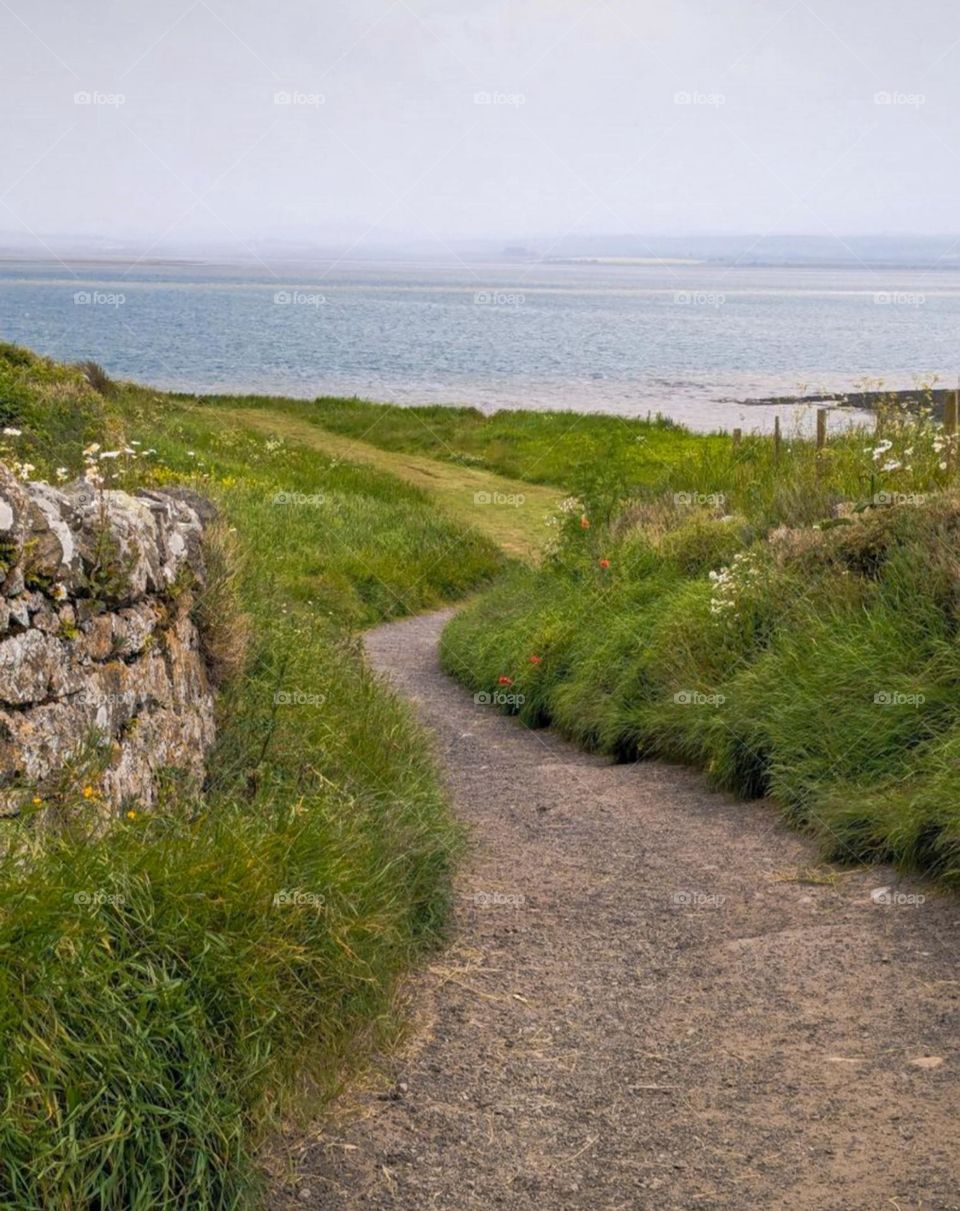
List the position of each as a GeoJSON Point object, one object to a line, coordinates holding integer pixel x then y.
{"type": "Point", "coordinates": [926, 251]}
{"type": "Point", "coordinates": [621, 260]}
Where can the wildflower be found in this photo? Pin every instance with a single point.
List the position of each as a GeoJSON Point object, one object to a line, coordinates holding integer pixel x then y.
{"type": "Point", "coordinates": [584, 522]}
{"type": "Point", "coordinates": [891, 465]}
{"type": "Point", "coordinates": [110, 454]}
{"type": "Point", "coordinates": [604, 563]}
{"type": "Point", "coordinates": [88, 792]}
{"type": "Point", "coordinates": [12, 432]}
{"type": "Point", "coordinates": [91, 450]}
{"type": "Point", "coordinates": [880, 449]}
{"type": "Point", "coordinates": [131, 815]}
{"type": "Point", "coordinates": [61, 473]}
{"type": "Point", "coordinates": [729, 581]}
{"type": "Point", "coordinates": [534, 659]}
{"type": "Point", "coordinates": [58, 592]}
{"type": "Point", "coordinates": [503, 679]}
{"type": "Point", "coordinates": [37, 801]}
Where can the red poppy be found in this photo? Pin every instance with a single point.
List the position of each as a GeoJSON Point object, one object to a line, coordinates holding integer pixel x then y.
{"type": "Point", "coordinates": [604, 563]}
{"type": "Point", "coordinates": [584, 523]}
{"type": "Point", "coordinates": [504, 680]}
{"type": "Point", "coordinates": [534, 659]}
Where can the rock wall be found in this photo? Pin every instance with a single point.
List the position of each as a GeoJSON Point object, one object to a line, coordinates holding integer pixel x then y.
{"type": "Point", "coordinates": [103, 683]}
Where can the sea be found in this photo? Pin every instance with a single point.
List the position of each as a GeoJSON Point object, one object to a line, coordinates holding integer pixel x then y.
{"type": "Point", "coordinates": [693, 341]}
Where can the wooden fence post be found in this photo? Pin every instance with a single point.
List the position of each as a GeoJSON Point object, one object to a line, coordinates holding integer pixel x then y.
{"type": "Point", "coordinates": [821, 428]}
{"type": "Point", "coordinates": [737, 436]}
{"type": "Point", "coordinates": [951, 411]}
{"type": "Point", "coordinates": [776, 439]}
{"type": "Point", "coordinates": [821, 437]}
{"type": "Point", "coordinates": [950, 414]}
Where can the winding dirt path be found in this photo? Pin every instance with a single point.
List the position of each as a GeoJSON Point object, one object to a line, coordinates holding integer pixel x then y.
{"type": "Point", "coordinates": [654, 998]}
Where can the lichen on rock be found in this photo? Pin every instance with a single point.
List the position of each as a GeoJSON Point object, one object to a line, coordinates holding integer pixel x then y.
{"type": "Point", "coordinates": [97, 641]}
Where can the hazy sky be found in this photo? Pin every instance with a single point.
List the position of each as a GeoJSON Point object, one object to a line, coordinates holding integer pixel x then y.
{"type": "Point", "coordinates": [460, 118]}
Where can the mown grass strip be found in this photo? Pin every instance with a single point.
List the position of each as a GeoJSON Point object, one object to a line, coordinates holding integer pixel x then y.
{"type": "Point", "coordinates": [510, 512]}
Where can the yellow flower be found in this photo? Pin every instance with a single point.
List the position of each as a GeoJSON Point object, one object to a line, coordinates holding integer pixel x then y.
{"type": "Point", "coordinates": [37, 801]}
{"type": "Point", "coordinates": [88, 792]}
{"type": "Point", "coordinates": [131, 815]}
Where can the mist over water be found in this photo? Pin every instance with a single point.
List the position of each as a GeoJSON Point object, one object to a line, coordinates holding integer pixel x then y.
{"type": "Point", "coordinates": [690, 341]}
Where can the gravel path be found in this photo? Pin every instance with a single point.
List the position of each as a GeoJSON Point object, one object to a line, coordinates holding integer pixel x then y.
{"type": "Point", "coordinates": [655, 998]}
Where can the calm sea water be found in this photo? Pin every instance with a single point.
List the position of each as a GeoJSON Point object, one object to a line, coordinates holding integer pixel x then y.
{"type": "Point", "coordinates": [688, 340]}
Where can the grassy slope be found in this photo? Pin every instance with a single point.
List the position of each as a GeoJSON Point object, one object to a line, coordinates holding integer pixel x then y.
{"type": "Point", "coordinates": [607, 459]}
{"type": "Point", "coordinates": [822, 668]}
{"type": "Point", "coordinates": [163, 991]}
{"type": "Point", "coordinates": [554, 448]}
{"type": "Point", "coordinates": [510, 512]}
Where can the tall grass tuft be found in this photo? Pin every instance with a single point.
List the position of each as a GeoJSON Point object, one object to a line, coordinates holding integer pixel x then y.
{"type": "Point", "coordinates": [97, 377]}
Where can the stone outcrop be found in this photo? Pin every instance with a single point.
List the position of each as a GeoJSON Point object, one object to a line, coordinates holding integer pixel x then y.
{"type": "Point", "coordinates": [102, 676]}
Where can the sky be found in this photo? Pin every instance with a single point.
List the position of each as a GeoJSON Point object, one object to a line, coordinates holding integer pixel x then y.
{"type": "Point", "coordinates": [206, 122]}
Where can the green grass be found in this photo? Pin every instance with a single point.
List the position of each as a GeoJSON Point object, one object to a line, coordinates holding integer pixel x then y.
{"type": "Point", "coordinates": [167, 990]}
{"type": "Point", "coordinates": [816, 663]}
{"type": "Point", "coordinates": [556, 448]}
{"type": "Point", "coordinates": [510, 512]}
{"type": "Point", "coordinates": [614, 461]}
{"type": "Point", "coordinates": [353, 542]}
{"type": "Point", "coordinates": [53, 406]}
{"type": "Point", "coordinates": [170, 990]}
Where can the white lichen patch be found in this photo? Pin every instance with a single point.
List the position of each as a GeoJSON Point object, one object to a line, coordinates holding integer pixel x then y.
{"type": "Point", "coordinates": [58, 527]}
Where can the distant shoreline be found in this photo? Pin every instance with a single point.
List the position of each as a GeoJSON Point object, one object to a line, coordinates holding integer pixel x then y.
{"type": "Point", "coordinates": [621, 260]}
{"type": "Point", "coordinates": [910, 398]}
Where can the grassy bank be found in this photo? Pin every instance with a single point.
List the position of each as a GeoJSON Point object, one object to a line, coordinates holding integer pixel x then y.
{"type": "Point", "coordinates": [167, 991]}
{"type": "Point", "coordinates": [608, 460]}
{"type": "Point", "coordinates": [511, 512]}
{"type": "Point", "coordinates": [791, 628]}
{"type": "Point", "coordinates": [555, 448]}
